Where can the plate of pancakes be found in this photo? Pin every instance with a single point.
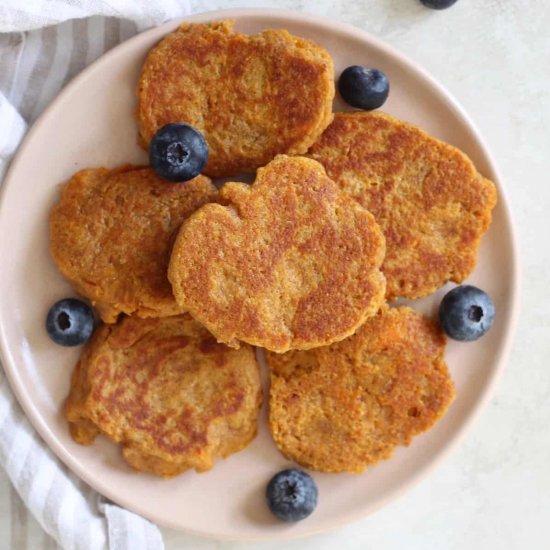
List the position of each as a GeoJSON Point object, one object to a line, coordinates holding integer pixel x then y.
{"type": "Point", "coordinates": [280, 309]}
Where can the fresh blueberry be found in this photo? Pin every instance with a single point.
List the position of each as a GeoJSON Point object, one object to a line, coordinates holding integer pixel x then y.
{"type": "Point", "coordinates": [438, 4]}
{"type": "Point", "coordinates": [466, 313]}
{"type": "Point", "coordinates": [363, 88]}
{"type": "Point", "coordinates": [178, 152]}
{"type": "Point", "coordinates": [70, 322]}
{"type": "Point", "coordinates": [291, 495]}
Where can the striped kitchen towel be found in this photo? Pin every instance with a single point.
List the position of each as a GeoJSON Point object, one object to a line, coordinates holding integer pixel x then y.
{"type": "Point", "coordinates": [43, 44]}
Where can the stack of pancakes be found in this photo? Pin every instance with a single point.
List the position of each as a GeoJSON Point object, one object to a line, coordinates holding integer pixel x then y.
{"type": "Point", "coordinates": [348, 212]}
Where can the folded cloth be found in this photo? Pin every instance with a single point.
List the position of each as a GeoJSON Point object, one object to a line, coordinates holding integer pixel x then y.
{"type": "Point", "coordinates": [17, 16]}
{"type": "Point", "coordinates": [36, 60]}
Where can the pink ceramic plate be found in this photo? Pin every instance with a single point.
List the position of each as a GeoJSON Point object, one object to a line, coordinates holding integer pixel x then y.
{"type": "Point", "coordinates": [91, 124]}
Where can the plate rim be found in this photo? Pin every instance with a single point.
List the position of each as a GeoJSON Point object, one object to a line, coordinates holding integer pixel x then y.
{"type": "Point", "coordinates": [509, 331]}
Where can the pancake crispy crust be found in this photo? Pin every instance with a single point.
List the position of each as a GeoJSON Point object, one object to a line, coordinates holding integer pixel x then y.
{"type": "Point", "coordinates": [252, 97]}
{"type": "Point", "coordinates": [426, 195]}
{"type": "Point", "coordinates": [167, 391]}
{"type": "Point", "coordinates": [344, 407]}
{"type": "Point", "coordinates": [111, 236]}
{"type": "Point", "coordinates": [289, 262]}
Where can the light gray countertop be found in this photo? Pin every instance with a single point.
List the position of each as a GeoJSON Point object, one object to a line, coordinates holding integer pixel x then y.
{"type": "Point", "coordinates": [494, 490]}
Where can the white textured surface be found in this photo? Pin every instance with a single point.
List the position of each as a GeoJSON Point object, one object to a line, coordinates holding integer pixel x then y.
{"type": "Point", "coordinates": [494, 491]}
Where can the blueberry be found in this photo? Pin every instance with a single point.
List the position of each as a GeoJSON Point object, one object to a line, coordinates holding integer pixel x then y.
{"type": "Point", "coordinates": [291, 495]}
{"type": "Point", "coordinates": [70, 322]}
{"type": "Point", "coordinates": [466, 313]}
{"type": "Point", "coordinates": [178, 152]}
{"type": "Point", "coordinates": [438, 4]}
{"type": "Point", "coordinates": [363, 88]}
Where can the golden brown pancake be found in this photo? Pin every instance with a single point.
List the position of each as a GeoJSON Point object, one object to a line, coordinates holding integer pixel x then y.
{"type": "Point", "coordinates": [289, 262]}
{"type": "Point", "coordinates": [252, 97]}
{"type": "Point", "coordinates": [427, 196]}
{"type": "Point", "coordinates": [346, 406]}
{"type": "Point", "coordinates": [167, 391]}
{"type": "Point", "coordinates": [111, 236]}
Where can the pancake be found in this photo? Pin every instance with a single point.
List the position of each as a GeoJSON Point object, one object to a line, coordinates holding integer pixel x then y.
{"type": "Point", "coordinates": [344, 407]}
{"type": "Point", "coordinates": [252, 97]}
{"type": "Point", "coordinates": [289, 262]}
{"type": "Point", "coordinates": [163, 388]}
{"type": "Point", "coordinates": [111, 236]}
{"type": "Point", "coordinates": [427, 196]}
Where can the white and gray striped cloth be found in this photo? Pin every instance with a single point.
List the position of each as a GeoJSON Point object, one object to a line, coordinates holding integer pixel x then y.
{"type": "Point", "coordinates": [43, 44]}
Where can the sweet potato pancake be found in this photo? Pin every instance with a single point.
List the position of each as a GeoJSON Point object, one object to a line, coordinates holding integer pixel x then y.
{"type": "Point", "coordinates": [289, 262]}
{"type": "Point", "coordinates": [252, 97]}
{"type": "Point", "coordinates": [343, 407]}
{"type": "Point", "coordinates": [167, 391]}
{"type": "Point", "coordinates": [427, 196]}
{"type": "Point", "coordinates": [111, 236]}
